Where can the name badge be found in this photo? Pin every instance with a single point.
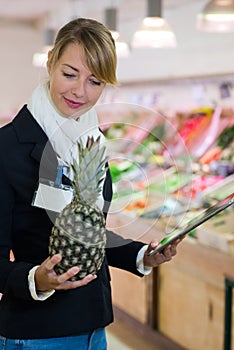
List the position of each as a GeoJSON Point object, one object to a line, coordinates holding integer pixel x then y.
{"type": "Point", "coordinates": [51, 195]}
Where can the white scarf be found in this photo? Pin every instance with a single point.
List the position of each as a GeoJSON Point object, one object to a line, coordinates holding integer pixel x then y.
{"type": "Point", "coordinates": [62, 132]}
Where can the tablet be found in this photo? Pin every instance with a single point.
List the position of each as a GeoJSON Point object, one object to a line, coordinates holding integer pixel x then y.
{"type": "Point", "coordinates": [198, 220]}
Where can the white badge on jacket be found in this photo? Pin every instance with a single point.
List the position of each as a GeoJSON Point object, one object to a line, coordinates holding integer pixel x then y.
{"type": "Point", "coordinates": [51, 195]}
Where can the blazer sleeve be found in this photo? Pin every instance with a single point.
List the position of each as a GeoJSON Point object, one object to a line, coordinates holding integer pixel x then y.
{"type": "Point", "coordinates": [122, 253]}
{"type": "Point", "coordinates": [14, 275]}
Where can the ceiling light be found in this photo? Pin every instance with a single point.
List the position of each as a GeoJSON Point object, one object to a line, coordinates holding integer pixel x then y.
{"type": "Point", "coordinates": [154, 31]}
{"type": "Point", "coordinates": [122, 48]}
{"type": "Point", "coordinates": [40, 58]}
{"type": "Point", "coordinates": [217, 16]}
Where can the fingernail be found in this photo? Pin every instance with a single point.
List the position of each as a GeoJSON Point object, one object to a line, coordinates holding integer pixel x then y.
{"type": "Point", "coordinates": [75, 270]}
{"type": "Point", "coordinates": [91, 277]}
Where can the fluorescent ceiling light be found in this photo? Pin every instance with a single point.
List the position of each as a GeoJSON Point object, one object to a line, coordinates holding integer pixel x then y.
{"type": "Point", "coordinates": [154, 31]}
{"type": "Point", "coordinates": [217, 16]}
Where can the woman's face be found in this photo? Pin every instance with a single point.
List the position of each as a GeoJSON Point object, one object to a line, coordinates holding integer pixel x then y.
{"type": "Point", "coordinates": [73, 88]}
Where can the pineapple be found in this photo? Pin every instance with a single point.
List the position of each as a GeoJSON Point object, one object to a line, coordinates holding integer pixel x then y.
{"type": "Point", "coordinates": [79, 232]}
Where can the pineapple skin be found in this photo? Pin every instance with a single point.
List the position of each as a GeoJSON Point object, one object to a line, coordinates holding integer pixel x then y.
{"type": "Point", "coordinates": [79, 235]}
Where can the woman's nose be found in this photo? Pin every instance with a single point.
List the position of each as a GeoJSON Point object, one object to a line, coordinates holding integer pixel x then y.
{"type": "Point", "coordinates": [78, 88]}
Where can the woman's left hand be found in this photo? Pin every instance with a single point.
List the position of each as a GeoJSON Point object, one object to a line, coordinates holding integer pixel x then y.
{"type": "Point", "coordinates": [159, 258]}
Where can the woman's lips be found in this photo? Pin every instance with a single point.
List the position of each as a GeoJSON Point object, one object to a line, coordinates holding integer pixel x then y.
{"type": "Point", "coordinates": [73, 104]}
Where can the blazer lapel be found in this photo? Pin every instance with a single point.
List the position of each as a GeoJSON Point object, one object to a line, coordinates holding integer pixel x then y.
{"type": "Point", "coordinates": [29, 131]}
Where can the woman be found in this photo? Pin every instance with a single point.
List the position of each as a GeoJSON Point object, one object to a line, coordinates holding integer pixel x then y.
{"type": "Point", "coordinates": [40, 309]}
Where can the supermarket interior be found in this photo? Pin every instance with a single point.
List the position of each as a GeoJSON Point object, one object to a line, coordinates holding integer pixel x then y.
{"type": "Point", "coordinates": [169, 128]}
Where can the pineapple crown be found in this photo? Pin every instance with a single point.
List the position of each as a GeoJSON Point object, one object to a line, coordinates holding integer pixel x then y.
{"type": "Point", "coordinates": [90, 170]}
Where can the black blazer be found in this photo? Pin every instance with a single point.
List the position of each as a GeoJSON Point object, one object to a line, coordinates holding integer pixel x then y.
{"type": "Point", "coordinates": [25, 229]}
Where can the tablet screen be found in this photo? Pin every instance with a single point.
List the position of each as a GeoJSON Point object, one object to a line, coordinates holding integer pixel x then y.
{"type": "Point", "coordinates": [198, 220]}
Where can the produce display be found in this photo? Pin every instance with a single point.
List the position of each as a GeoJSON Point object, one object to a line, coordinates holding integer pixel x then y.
{"type": "Point", "coordinates": [159, 175]}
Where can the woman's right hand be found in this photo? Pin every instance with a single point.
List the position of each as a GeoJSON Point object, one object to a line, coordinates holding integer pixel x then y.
{"type": "Point", "coordinates": [47, 279]}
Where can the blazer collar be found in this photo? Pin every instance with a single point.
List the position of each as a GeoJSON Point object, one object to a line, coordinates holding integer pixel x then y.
{"type": "Point", "coordinates": [29, 131]}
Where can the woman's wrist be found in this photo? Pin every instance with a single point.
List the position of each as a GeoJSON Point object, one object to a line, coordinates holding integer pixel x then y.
{"type": "Point", "coordinates": [38, 295]}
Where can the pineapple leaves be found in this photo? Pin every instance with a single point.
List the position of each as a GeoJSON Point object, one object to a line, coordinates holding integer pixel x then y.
{"type": "Point", "coordinates": [89, 170]}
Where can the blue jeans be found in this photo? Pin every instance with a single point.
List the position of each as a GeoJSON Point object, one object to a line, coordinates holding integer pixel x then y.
{"type": "Point", "coordinates": [93, 341]}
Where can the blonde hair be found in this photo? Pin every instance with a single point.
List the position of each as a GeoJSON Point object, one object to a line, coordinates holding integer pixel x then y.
{"type": "Point", "coordinates": [97, 43]}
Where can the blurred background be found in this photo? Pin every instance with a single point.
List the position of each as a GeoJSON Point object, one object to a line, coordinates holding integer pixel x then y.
{"type": "Point", "coordinates": [170, 132]}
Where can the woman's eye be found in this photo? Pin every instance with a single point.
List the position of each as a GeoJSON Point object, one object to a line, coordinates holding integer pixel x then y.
{"type": "Point", "coordinates": [95, 82]}
{"type": "Point", "coordinates": [68, 75]}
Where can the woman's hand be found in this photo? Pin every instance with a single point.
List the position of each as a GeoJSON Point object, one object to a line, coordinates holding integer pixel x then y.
{"type": "Point", "coordinates": [47, 279]}
{"type": "Point", "coordinates": [164, 256]}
